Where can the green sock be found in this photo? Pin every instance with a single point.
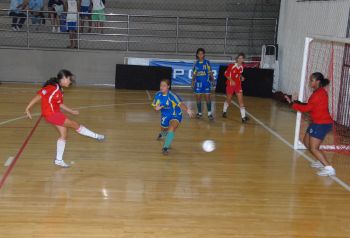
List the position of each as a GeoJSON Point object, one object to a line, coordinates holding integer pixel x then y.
{"type": "Point", "coordinates": [164, 133]}
{"type": "Point", "coordinates": [199, 107]}
{"type": "Point", "coordinates": [209, 106]}
{"type": "Point", "coordinates": [169, 139]}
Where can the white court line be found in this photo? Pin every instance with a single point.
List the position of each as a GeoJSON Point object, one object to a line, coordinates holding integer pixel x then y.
{"type": "Point", "coordinates": [148, 95]}
{"type": "Point", "coordinates": [278, 136]}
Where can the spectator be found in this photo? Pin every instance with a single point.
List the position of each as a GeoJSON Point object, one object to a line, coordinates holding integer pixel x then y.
{"type": "Point", "coordinates": [18, 17]}
{"type": "Point", "coordinates": [71, 7]}
{"type": "Point", "coordinates": [35, 7]}
{"type": "Point", "coordinates": [98, 14]}
{"type": "Point", "coordinates": [85, 14]}
{"type": "Point", "coordinates": [55, 8]}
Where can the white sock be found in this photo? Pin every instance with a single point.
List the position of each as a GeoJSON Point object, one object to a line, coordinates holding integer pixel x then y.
{"type": "Point", "coordinates": [226, 105]}
{"type": "Point", "coordinates": [209, 113]}
{"type": "Point", "coordinates": [86, 132]}
{"type": "Point", "coordinates": [61, 144]}
{"type": "Point", "coordinates": [329, 167]}
{"type": "Point", "coordinates": [242, 109]}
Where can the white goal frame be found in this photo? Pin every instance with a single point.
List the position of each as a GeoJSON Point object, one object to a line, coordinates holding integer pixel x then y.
{"type": "Point", "coordinates": [298, 145]}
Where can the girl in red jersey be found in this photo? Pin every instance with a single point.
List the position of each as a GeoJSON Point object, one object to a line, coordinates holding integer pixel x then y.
{"type": "Point", "coordinates": [51, 97]}
{"type": "Point", "coordinates": [321, 122]}
{"type": "Point", "coordinates": [234, 86]}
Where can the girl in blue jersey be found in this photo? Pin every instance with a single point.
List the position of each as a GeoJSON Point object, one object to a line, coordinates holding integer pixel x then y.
{"type": "Point", "coordinates": [171, 106]}
{"type": "Point", "coordinates": [201, 82]}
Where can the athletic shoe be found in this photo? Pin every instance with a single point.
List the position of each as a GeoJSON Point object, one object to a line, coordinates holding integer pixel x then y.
{"type": "Point", "coordinates": [326, 171]}
{"type": "Point", "coordinates": [211, 117]}
{"type": "Point", "coordinates": [100, 137]}
{"type": "Point", "coordinates": [199, 115]}
{"type": "Point", "coordinates": [58, 30]}
{"type": "Point", "coordinates": [245, 119]}
{"type": "Point", "coordinates": [61, 163]}
{"type": "Point", "coordinates": [224, 114]}
{"type": "Point", "coordinates": [159, 137]}
{"type": "Point", "coordinates": [53, 29]}
{"type": "Point", "coordinates": [14, 28]}
{"type": "Point", "coordinates": [165, 151]}
{"type": "Point", "coordinates": [317, 165]}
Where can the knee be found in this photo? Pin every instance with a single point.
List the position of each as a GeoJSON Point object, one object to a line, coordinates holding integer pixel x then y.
{"type": "Point", "coordinates": [313, 149]}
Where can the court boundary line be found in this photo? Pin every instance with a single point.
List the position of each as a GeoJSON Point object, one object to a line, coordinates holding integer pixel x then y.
{"type": "Point", "coordinates": [282, 139]}
{"type": "Point", "coordinates": [19, 153]}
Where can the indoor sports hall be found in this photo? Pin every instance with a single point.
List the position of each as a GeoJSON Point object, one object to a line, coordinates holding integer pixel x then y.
{"type": "Point", "coordinates": [164, 119]}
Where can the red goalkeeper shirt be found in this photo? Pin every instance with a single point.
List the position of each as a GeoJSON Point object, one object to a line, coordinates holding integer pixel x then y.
{"type": "Point", "coordinates": [317, 106]}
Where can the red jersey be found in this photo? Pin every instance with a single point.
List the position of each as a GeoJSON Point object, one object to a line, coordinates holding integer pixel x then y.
{"type": "Point", "coordinates": [317, 105]}
{"type": "Point", "coordinates": [234, 72]}
{"type": "Point", "coordinates": [51, 98]}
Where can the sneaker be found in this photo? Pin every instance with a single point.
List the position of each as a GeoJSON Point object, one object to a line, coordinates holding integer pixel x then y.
{"type": "Point", "coordinates": [317, 165]}
{"type": "Point", "coordinates": [224, 114]}
{"type": "Point", "coordinates": [53, 29]}
{"type": "Point", "coordinates": [245, 119]}
{"type": "Point", "coordinates": [159, 137]}
{"type": "Point", "coordinates": [199, 115]}
{"type": "Point", "coordinates": [18, 28]}
{"type": "Point", "coordinates": [100, 137]}
{"type": "Point", "coordinates": [61, 163]}
{"type": "Point", "coordinates": [326, 171]}
{"type": "Point", "coordinates": [165, 151]}
{"type": "Point", "coordinates": [210, 117]}
{"type": "Point", "coordinates": [58, 30]}
{"type": "Point", "coordinates": [14, 28]}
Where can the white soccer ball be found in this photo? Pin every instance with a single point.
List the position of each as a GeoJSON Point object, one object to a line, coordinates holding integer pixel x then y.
{"type": "Point", "coordinates": [208, 146]}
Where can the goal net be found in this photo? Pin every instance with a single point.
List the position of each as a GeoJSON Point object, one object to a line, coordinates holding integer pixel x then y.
{"type": "Point", "coordinates": [331, 57]}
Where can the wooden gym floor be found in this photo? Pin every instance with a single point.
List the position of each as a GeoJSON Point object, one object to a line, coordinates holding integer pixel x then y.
{"type": "Point", "coordinates": [252, 185]}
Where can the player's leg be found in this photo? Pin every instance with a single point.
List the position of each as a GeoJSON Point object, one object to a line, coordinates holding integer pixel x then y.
{"type": "Point", "coordinates": [163, 133]}
{"type": "Point", "coordinates": [199, 105]}
{"type": "Point", "coordinates": [241, 107]}
{"type": "Point", "coordinates": [61, 145]}
{"type": "Point", "coordinates": [208, 101]}
{"type": "Point", "coordinates": [315, 144]}
{"type": "Point", "coordinates": [82, 130]}
{"type": "Point", "coordinates": [226, 104]}
{"type": "Point", "coordinates": [173, 125]}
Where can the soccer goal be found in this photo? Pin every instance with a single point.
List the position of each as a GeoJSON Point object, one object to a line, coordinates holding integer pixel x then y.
{"type": "Point", "coordinates": [330, 56]}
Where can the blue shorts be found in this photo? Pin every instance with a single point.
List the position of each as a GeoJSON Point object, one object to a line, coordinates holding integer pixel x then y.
{"type": "Point", "coordinates": [202, 87]}
{"type": "Point", "coordinates": [165, 120]}
{"type": "Point", "coordinates": [85, 11]}
{"type": "Point", "coordinates": [319, 131]}
{"type": "Point", "coordinates": [71, 26]}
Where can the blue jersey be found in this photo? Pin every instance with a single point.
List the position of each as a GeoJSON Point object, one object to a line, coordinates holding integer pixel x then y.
{"type": "Point", "coordinates": [170, 103]}
{"type": "Point", "coordinates": [202, 71]}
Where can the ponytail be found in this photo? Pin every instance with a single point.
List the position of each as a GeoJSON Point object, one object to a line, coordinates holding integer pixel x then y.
{"type": "Point", "coordinates": [56, 80]}
{"type": "Point", "coordinates": [319, 77]}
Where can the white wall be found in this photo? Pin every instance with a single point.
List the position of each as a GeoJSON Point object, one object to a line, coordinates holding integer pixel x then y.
{"type": "Point", "coordinates": [298, 20]}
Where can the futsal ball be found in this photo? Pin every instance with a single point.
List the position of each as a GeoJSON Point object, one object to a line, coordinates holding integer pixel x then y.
{"type": "Point", "coordinates": [208, 146]}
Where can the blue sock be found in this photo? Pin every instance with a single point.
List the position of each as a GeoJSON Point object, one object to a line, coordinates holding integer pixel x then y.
{"type": "Point", "coordinates": [164, 133]}
{"type": "Point", "coordinates": [209, 107]}
{"type": "Point", "coordinates": [199, 107]}
{"type": "Point", "coordinates": [169, 138]}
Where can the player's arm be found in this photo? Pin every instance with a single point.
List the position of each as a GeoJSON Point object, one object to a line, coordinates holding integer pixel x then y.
{"type": "Point", "coordinates": [228, 74]}
{"type": "Point", "coordinates": [194, 75]}
{"type": "Point", "coordinates": [305, 107]}
{"type": "Point", "coordinates": [155, 104]}
{"type": "Point", "coordinates": [186, 109]}
{"type": "Point", "coordinates": [31, 104]}
{"type": "Point", "coordinates": [210, 71]}
{"type": "Point", "coordinates": [69, 110]}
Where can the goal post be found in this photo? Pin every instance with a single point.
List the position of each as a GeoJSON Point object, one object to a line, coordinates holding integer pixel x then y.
{"type": "Point", "coordinates": [331, 57]}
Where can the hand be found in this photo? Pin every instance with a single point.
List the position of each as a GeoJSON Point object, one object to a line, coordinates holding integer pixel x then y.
{"type": "Point", "coordinates": [29, 115]}
{"type": "Point", "coordinates": [190, 113]}
{"type": "Point", "coordinates": [242, 78]}
{"type": "Point", "coordinates": [157, 107]}
{"type": "Point", "coordinates": [192, 85]}
{"type": "Point", "coordinates": [75, 112]}
{"type": "Point", "coordinates": [288, 99]}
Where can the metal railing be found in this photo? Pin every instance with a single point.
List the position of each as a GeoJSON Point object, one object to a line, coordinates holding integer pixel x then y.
{"type": "Point", "coordinates": [144, 33]}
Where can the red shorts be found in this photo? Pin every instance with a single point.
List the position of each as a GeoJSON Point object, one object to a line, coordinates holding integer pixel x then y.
{"type": "Point", "coordinates": [237, 88]}
{"type": "Point", "coordinates": [58, 118]}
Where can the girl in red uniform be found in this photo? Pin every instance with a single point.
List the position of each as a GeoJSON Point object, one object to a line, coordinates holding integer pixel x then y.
{"type": "Point", "coordinates": [234, 86]}
{"type": "Point", "coordinates": [51, 97]}
{"type": "Point", "coordinates": [321, 122]}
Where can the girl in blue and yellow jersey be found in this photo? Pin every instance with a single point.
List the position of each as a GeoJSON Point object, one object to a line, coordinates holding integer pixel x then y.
{"type": "Point", "coordinates": [201, 82]}
{"type": "Point", "coordinates": [171, 106]}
